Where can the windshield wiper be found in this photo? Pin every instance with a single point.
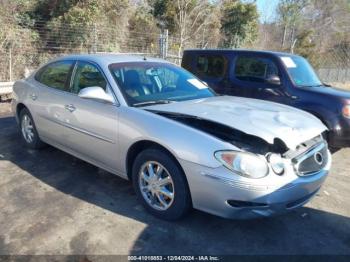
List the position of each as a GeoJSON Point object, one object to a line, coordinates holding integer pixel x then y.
{"type": "Point", "coordinates": [153, 102]}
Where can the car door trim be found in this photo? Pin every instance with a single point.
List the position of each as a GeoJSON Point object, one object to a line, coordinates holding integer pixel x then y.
{"type": "Point", "coordinates": [81, 130]}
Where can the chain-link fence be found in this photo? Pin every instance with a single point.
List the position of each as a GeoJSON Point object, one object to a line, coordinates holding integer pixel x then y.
{"type": "Point", "coordinates": [30, 45]}
{"type": "Point", "coordinates": [334, 65]}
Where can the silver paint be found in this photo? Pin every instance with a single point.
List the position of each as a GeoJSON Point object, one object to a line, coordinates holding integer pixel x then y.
{"type": "Point", "coordinates": [102, 133]}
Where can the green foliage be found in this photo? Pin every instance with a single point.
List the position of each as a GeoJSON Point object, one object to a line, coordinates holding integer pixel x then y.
{"type": "Point", "coordinates": [289, 11]}
{"type": "Point", "coordinates": [140, 20]}
{"type": "Point", "coordinates": [159, 11]}
{"type": "Point", "coordinates": [304, 44]}
{"type": "Point", "coordinates": [165, 11]}
{"type": "Point", "coordinates": [239, 23]}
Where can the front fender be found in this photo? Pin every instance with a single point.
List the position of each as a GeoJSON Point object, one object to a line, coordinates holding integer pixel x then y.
{"type": "Point", "coordinates": [182, 141]}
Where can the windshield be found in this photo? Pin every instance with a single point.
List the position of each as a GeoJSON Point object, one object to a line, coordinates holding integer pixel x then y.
{"type": "Point", "coordinates": [301, 71]}
{"type": "Point", "coordinates": [145, 83]}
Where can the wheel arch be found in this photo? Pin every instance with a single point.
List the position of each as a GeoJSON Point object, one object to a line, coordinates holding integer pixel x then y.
{"type": "Point", "coordinates": [19, 108]}
{"type": "Point", "coordinates": [141, 145]}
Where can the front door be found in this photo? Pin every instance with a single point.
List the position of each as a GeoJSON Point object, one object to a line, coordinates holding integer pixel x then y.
{"type": "Point", "coordinates": [92, 126]}
{"type": "Point", "coordinates": [251, 76]}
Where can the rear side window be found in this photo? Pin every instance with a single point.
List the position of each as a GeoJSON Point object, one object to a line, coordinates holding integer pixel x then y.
{"type": "Point", "coordinates": [211, 66]}
{"type": "Point", "coordinates": [255, 69]}
{"type": "Point", "coordinates": [55, 75]}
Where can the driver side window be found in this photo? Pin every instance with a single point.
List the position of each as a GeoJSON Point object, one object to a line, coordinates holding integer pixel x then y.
{"type": "Point", "coordinates": [87, 75]}
{"type": "Point", "coordinates": [255, 69]}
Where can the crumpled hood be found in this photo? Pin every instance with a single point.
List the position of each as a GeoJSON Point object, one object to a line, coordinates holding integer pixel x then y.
{"type": "Point", "coordinates": [263, 119]}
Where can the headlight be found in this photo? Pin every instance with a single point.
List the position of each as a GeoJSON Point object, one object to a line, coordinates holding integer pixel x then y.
{"type": "Point", "coordinates": [242, 163]}
{"type": "Point", "coordinates": [346, 111]}
{"type": "Point", "coordinates": [276, 163]}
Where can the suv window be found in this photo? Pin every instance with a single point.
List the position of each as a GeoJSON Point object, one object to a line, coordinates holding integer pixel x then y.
{"type": "Point", "coordinates": [254, 69]}
{"type": "Point", "coordinates": [211, 66]}
{"type": "Point", "coordinates": [87, 75]}
{"type": "Point", "coordinates": [55, 75]}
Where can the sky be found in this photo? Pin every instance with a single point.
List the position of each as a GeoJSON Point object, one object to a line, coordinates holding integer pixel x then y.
{"type": "Point", "coordinates": [267, 9]}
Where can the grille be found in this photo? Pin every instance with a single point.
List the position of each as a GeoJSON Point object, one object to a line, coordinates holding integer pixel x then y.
{"type": "Point", "coordinates": [312, 161]}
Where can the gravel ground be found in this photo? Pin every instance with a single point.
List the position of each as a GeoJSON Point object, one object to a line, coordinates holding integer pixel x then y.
{"type": "Point", "coordinates": [53, 203]}
{"type": "Point", "coordinates": [5, 109]}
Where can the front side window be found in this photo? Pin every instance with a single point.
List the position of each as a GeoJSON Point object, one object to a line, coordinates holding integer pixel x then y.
{"type": "Point", "coordinates": [55, 75]}
{"type": "Point", "coordinates": [301, 71]}
{"type": "Point", "coordinates": [87, 75]}
{"type": "Point", "coordinates": [255, 69]}
{"type": "Point", "coordinates": [149, 82]}
{"type": "Point", "coordinates": [211, 66]}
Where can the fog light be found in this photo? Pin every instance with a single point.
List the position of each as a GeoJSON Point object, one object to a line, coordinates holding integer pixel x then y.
{"type": "Point", "coordinates": [276, 163]}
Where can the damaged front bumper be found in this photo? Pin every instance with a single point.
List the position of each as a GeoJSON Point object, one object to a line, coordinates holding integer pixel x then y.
{"type": "Point", "coordinates": [219, 191]}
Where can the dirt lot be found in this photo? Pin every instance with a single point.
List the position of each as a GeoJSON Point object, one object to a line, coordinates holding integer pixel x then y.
{"type": "Point", "coordinates": [53, 203]}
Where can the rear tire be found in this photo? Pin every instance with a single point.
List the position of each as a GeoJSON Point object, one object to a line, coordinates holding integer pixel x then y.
{"type": "Point", "coordinates": [28, 130]}
{"type": "Point", "coordinates": [160, 184]}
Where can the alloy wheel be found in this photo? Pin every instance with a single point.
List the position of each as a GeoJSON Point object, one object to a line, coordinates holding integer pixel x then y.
{"type": "Point", "coordinates": [156, 185]}
{"type": "Point", "coordinates": [27, 129]}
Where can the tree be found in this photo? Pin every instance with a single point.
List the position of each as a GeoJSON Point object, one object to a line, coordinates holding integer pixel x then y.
{"type": "Point", "coordinates": [239, 23]}
{"type": "Point", "coordinates": [305, 46]}
{"type": "Point", "coordinates": [143, 30]}
{"type": "Point", "coordinates": [290, 16]}
{"type": "Point", "coordinates": [17, 44]}
{"type": "Point", "coordinates": [186, 19]}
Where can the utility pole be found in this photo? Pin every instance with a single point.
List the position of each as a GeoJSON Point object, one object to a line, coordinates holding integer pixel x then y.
{"type": "Point", "coordinates": [163, 44]}
{"type": "Point", "coordinates": [95, 39]}
{"type": "Point", "coordinates": [10, 63]}
{"type": "Point", "coordinates": [166, 44]}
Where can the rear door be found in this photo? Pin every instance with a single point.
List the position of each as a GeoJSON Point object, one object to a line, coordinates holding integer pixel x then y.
{"type": "Point", "coordinates": [212, 69]}
{"type": "Point", "coordinates": [49, 98]}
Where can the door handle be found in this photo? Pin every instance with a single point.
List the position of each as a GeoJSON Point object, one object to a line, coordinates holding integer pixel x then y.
{"type": "Point", "coordinates": [70, 108]}
{"type": "Point", "coordinates": [33, 96]}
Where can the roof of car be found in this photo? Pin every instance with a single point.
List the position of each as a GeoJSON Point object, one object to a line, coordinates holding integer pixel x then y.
{"type": "Point", "coordinates": [240, 51]}
{"type": "Point", "coordinates": [109, 58]}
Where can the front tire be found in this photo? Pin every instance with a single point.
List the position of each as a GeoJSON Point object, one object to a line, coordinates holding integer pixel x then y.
{"type": "Point", "coordinates": [29, 133]}
{"type": "Point", "coordinates": [160, 184]}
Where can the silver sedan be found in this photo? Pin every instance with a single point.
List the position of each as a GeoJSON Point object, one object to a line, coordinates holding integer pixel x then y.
{"type": "Point", "coordinates": [180, 144]}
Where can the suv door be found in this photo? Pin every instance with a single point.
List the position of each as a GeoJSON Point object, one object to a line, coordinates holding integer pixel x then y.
{"type": "Point", "coordinates": [92, 129]}
{"type": "Point", "coordinates": [252, 75]}
{"type": "Point", "coordinates": [212, 69]}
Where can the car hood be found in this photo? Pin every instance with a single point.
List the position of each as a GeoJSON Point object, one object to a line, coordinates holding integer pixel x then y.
{"type": "Point", "coordinates": [263, 119]}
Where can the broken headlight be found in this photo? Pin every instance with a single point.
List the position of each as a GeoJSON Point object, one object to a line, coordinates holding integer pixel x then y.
{"type": "Point", "coordinates": [244, 164]}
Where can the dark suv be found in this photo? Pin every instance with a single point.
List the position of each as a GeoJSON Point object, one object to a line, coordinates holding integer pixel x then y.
{"type": "Point", "coordinates": [278, 77]}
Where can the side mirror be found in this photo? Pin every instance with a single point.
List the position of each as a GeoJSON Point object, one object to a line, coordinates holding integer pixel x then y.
{"type": "Point", "coordinates": [96, 93]}
{"type": "Point", "coordinates": [274, 80]}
